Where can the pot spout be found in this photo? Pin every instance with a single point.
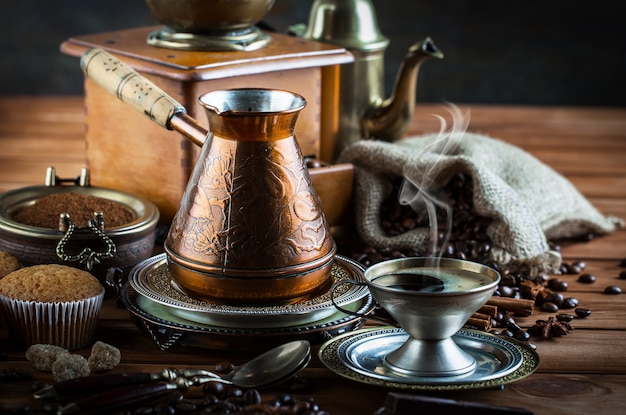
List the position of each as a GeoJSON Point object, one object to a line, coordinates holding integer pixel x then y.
{"type": "Point", "coordinates": [389, 120]}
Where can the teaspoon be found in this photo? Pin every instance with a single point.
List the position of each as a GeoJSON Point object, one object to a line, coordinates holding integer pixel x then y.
{"type": "Point", "coordinates": [272, 367]}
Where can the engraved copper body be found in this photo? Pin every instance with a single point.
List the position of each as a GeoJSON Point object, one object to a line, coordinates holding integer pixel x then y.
{"type": "Point", "coordinates": [250, 227]}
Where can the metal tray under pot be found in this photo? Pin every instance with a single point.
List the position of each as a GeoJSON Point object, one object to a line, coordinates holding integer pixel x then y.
{"type": "Point", "coordinates": [88, 246]}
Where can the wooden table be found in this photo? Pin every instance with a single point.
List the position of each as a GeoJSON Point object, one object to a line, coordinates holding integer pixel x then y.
{"type": "Point", "coordinates": [581, 373]}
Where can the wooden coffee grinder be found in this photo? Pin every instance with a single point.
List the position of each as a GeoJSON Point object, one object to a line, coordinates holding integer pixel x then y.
{"type": "Point", "coordinates": [129, 152]}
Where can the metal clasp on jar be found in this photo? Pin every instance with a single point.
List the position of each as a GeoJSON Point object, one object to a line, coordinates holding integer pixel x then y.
{"type": "Point", "coordinates": [87, 256]}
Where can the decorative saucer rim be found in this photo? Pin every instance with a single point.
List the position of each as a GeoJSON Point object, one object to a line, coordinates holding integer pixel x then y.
{"type": "Point", "coordinates": [138, 280]}
{"type": "Point", "coordinates": [330, 354]}
{"type": "Point", "coordinates": [129, 295]}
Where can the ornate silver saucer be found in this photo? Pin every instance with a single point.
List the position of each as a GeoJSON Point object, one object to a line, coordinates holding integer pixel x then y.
{"type": "Point", "coordinates": [169, 331]}
{"type": "Point", "coordinates": [359, 356]}
{"type": "Point", "coordinates": [151, 279]}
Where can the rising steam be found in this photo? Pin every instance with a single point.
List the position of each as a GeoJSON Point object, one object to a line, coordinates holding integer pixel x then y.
{"type": "Point", "coordinates": [421, 195]}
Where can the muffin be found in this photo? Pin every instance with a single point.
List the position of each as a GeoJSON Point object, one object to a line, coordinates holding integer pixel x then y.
{"type": "Point", "coordinates": [51, 304]}
{"type": "Point", "coordinates": [8, 264]}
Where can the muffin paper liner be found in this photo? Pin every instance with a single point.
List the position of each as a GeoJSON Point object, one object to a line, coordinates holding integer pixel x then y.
{"type": "Point", "coordinates": [70, 324]}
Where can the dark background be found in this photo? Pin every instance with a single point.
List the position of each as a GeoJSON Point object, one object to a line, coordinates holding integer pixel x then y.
{"type": "Point", "coordinates": [550, 52]}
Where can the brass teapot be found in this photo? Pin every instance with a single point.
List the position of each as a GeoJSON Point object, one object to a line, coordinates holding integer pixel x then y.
{"type": "Point", "coordinates": [363, 110]}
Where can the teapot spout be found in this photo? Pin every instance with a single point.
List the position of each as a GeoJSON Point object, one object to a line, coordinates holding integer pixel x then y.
{"type": "Point", "coordinates": [389, 120]}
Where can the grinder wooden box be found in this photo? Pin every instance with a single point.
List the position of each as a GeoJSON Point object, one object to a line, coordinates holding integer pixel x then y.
{"type": "Point", "coordinates": [129, 152]}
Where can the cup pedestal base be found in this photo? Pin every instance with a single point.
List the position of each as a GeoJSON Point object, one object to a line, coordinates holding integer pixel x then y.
{"type": "Point", "coordinates": [430, 358]}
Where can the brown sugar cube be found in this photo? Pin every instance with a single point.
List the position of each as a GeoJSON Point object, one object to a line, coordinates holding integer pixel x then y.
{"type": "Point", "coordinates": [42, 356]}
{"type": "Point", "coordinates": [69, 366]}
{"type": "Point", "coordinates": [103, 357]}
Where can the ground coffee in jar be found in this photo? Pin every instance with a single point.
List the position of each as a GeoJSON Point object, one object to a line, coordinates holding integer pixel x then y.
{"type": "Point", "coordinates": [45, 212]}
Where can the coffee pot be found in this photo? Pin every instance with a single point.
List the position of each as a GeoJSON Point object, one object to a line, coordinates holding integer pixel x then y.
{"type": "Point", "coordinates": [250, 228]}
{"type": "Point", "coordinates": [363, 110]}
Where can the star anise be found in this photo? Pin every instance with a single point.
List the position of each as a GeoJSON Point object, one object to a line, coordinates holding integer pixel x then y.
{"type": "Point", "coordinates": [550, 328]}
{"type": "Point", "coordinates": [534, 290]}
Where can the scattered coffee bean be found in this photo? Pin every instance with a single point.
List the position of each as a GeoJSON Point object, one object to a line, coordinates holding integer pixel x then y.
{"type": "Point", "coordinates": [214, 388]}
{"type": "Point", "coordinates": [252, 396]}
{"type": "Point", "coordinates": [224, 367]}
{"type": "Point", "coordinates": [571, 269]}
{"type": "Point", "coordinates": [623, 263]}
{"type": "Point", "coordinates": [549, 307]}
{"type": "Point", "coordinates": [582, 312]}
{"type": "Point", "coordinates": [522, 335]}
{"type": "Point", "coordinates": [506, 291]}
{"type": "Point", "coordinates": [622, 275]}
{"type": "Point", "coordinates": [564, 317]}
{"type": "Point", "coordinates": [587, 278]}
{"type": "Point", "coordinates": [513, 327]}
{"type": "Point", "coordinates": [186, 405]}
{"type": "Point", "coordinates": [555, 298]}
{"type": "Point", "coordinates": [557, 284]}
{"type": "Point", "coordinates": [301, 407]}
{"type": "Point", "coordinates": [569, 302]}
{"type": "Point", "coordinates": [233, 391]}
{"type": "Point", "coordinates": [612, 289]}
{"type": "Point", "coordinates": [541, 279]}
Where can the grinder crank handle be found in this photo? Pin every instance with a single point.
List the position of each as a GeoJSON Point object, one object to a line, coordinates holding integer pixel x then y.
{"type": "Point", "coordinates": [140, 93]}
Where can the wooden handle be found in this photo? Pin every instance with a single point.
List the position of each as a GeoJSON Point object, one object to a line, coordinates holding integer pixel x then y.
{"type": "Point", "coordinates": [93, 383]}
{"type": "Point", "coordinates": [129, 86]}
{"type": "Point", "coordinates": [115, 398]}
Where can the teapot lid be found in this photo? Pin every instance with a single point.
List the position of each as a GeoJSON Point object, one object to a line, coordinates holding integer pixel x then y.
{"type": "Point", "coordinates": [348, 23]}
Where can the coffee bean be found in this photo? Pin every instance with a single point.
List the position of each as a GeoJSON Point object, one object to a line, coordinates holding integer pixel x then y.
{"type": "Point", "coordinates": [522, 335]}
{"type": "Point", "coordinates": [301, 407]}
{"type": "Point", "coordinates": [144, 410]}
{"type": "Point", "coordinates": [623, 263]}
{"type": "Point", "coordinates": [564, 317]}
{"type": "Point", "coordinates": [224, 367]}
{"type": "Point", "coordinates": [612, 289]}
{"type": "Point", "coordinates": [557, 284]}
{"type": "Point", "coordinates": [186, 405]}
{"type": "Point", "coordinates": [508, 320]}
{"type": "Point", "coordinates": [555, 298]}
{"type": "Point", "coordinates": [214, 388]}
{"type": "Point", "coordinates": [622, 275]}
{"type": "Point", "coordinates": [252, 396]}
{"type": "Point", "coordinates": [569, 302]}
{"type": "Point", "coordinates": [570, 269]}
{"type": "Point", "coordinates": [540, 279]}
{"type": "Point", "coordinates": [513, 327]}
{"type": "Point", "coordinates": [233, 391]}
{"type": "Point", "coordinates": [549, 307]}
{"type": "Point", "coordinates": [586, 278]}
{"type": "Point", "coordinates": [582, 312]}
{"type": "Point", "coordinates": [506, 291]}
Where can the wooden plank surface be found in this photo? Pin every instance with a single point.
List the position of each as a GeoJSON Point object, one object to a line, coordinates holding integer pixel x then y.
{"type": "Point", "coordinates": [581, 373]}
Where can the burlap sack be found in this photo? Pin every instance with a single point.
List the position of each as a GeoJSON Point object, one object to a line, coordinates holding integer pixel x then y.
{"type": "Point", "coordinates": [528, 202]}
